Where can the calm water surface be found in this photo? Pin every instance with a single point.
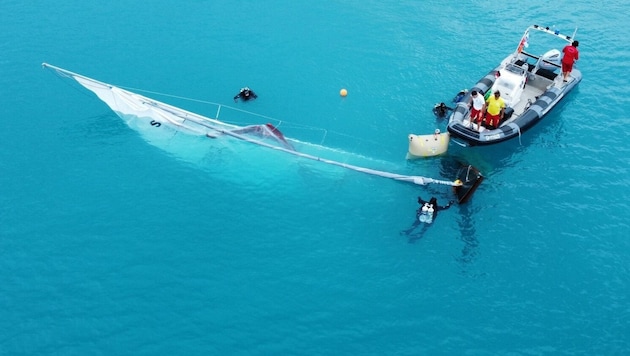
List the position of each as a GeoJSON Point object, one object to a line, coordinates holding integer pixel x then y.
{"type": "Point", "coordinates": [111, 245]}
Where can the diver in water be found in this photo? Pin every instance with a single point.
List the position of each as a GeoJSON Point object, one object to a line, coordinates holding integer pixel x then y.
{"type": "Point", "coordinates": [245, 94]}
{"type": "Point", "coordinates": [425, 215]}
{"type": "Point", "coordinates": [441, 110]}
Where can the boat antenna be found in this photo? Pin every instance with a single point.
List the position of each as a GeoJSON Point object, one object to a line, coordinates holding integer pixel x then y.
{"type": "Point", "coordinates": [574, 32]}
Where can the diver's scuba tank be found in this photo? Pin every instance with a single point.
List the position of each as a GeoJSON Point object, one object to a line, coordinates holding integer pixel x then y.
{"type": "Point", "coordinates": [424, 213]}
{"type": "Point", "coordinates": [430, 212]}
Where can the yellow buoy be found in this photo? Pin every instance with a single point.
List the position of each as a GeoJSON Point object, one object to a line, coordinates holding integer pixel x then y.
{"type": "Point", "coordinates": [343, 92]}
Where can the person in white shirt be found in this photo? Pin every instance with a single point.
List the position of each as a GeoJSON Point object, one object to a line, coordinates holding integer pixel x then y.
{"type": "Point", "coordinates": [476, 108]}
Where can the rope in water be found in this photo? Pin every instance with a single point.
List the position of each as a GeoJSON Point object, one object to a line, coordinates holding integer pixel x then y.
{"type": "Point", "coordinates": [411, 179]}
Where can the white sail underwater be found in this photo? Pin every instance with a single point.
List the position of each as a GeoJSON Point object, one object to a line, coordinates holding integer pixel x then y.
{"type": "Point", "coordinates": [126, 103]}
{"type": "Point", "coordinates": [137, 109]}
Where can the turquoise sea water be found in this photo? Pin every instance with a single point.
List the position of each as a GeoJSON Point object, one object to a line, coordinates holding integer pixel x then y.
{"type": "Point", "coordinates": [110, 245]}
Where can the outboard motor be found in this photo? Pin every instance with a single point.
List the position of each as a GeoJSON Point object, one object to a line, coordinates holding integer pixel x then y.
{"type": "Point", "coordinates": [552, 56]}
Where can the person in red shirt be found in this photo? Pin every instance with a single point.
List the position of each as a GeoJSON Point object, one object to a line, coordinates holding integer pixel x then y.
{"type": "Point", "coordinates": [571, 55]}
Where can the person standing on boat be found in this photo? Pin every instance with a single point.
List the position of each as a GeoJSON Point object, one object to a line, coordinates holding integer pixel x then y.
{"type": "Point", "coordinates": [426, 214]}
{"type": "Point", "coordinates": [476, 107]}
{"type": "Point", "coordinates": [245, 94]}
{"type": "Point", "coordinates": [571, 54]}
{"type": "Point", "coordinates": [495, 107]}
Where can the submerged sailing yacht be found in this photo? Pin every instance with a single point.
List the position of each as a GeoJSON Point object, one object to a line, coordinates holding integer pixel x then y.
{"type": "Point", "coordinates": [143, 113]}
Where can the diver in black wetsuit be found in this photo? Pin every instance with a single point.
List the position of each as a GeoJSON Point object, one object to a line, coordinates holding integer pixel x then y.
{"type": "Point", "coordinates": [441, 110]}
{"type": "Point", "coordinates": [426, 214]}
{"type": "Point", "coordinates": [245, 94]}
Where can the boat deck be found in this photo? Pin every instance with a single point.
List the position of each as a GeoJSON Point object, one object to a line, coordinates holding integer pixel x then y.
{"type": "Point", "coordinates": [530, 84]}
{"type": "Point", "coordinates": [532, 91]}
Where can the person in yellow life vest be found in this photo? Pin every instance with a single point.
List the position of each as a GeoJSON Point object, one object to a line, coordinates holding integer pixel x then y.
{"type": "Point", "coordinates": [495, 108]}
